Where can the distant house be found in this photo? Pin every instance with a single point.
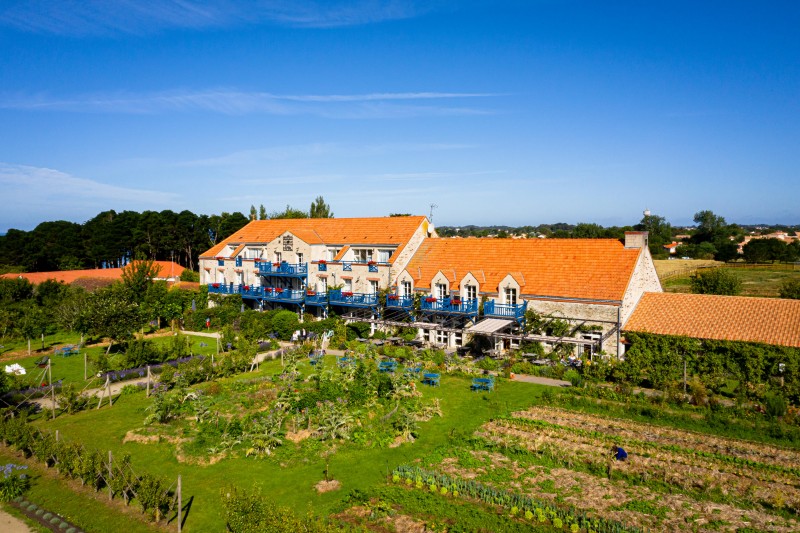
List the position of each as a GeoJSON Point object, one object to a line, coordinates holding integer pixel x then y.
{"type": "Point", "coordinates": [92, 278]}
{"type": "Point", "coordinates": [671, 247]}
{"type": "Point", "coordinates": [780, 235]}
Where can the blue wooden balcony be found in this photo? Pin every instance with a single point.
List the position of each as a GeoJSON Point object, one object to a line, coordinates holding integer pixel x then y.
{"type": "Point", "coordinates": [292, 296]}
{"type": "Point", "coordinates": [352, 299]}
{"type": "Point", "coordinates": [511, 311]}
{"type": "Point", "coordinates": [320, 299]}
{"type": "Point", "coordinates": [222, 288]}
{"type": "Point", "coordinates": [283, 269]}
{"type": "Point", "coordinates": [449, 306]}
{"type": "Point", "coordinates": [399, 302]}
{"type": "Point", "coordinates": [247, 291]}
{"type": "Point", "coordinates": [322, 266]}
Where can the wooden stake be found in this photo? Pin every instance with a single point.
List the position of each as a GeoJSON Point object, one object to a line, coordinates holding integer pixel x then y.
{"type": "Point", "coordinates": [84, 366]}
{"type": "Point", "coordinates": [52, 387]}
{"type": "Point", "coordinates": [180, 502]}
{"type": "Point", "coordinates": [110, 475]}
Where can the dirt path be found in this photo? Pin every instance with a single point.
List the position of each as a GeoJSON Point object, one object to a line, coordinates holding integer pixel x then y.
{"type": "Point", "coordinates": [542, 381]}
{"type": "Point", "coordinates": [12, 524]}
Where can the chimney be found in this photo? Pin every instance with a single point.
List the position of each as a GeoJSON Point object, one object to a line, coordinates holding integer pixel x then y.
{"type": "Point", "coordinates": [636, 239]}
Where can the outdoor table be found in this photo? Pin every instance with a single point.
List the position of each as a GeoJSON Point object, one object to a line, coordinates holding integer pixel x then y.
{"type": "Point", "coordinates": [431, 379]}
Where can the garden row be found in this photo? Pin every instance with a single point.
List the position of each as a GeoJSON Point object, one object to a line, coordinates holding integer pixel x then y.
{"type": "Point", "coordinates": [91, 467]}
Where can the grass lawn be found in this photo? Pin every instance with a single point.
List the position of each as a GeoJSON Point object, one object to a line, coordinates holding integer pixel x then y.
{"type": "Point", "coordinates": [755, 281]}
{"type": "Point", "coordinates": [289, 476]}
{"type": "Point", "coordinates": [71, 368]}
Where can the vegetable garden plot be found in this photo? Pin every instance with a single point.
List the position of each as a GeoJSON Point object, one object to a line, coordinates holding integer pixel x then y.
{"type": "Point", "coordinates": [673, 480]}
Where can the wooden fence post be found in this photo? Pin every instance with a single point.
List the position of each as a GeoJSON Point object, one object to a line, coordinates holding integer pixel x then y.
{"type": "Point", "coordinates": [110, 475]}
{"type": "Point", "coordinates": [180, 503]}
{"type": "Point", "coordinates": [52, 387]}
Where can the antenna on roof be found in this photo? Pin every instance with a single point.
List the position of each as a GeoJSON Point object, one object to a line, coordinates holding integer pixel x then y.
{"type": "Point", "coordinates": [433, 206]}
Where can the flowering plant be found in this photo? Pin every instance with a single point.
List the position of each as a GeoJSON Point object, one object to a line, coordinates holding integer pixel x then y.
{"type": "Point", "coordinates": [430, 299]}
{"type": "Point", "coordinates": [13, 483]}
{"type": "Point", "coordinates": [215, 285]}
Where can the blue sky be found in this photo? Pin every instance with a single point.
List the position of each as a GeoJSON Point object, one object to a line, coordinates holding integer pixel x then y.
{"type": "Point", "coordinates": [498, 112]}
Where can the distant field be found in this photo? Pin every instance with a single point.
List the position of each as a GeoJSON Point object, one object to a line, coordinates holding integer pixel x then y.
{"type": "Point", "coordinates": [667, 268]}
{"type": "Point", "coordinates": [755, 281]}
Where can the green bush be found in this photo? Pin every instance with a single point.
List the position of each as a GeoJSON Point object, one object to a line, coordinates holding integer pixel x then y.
{"type": "Point", "coordinates": [574, 377]}
{"type": "Point", "coordinates": [14, 481]}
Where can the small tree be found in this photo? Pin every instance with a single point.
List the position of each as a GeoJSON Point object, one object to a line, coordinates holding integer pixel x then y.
{"type": "Point", "coordinates": [137, 276]}
{"type": "Point", "coordinates": [716, 281]}
{"type": "Point", "coordinates": [319, 209]}
{"type": "Point", "coordinates": [790, 289]}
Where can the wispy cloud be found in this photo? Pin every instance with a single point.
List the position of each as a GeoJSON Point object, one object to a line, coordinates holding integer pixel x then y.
{"type": "Point", "coordinates": [329, 150]}
{"type": "Point", "coordinates": [35, 193]}
{"type": "Point", "coordinates": [233, 102]}
{"type": "Point", "coordinates": [110, 17]}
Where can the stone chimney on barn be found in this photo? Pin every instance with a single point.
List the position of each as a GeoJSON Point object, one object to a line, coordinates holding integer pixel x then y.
{"type": "Point", "coordinates": [636, 239]}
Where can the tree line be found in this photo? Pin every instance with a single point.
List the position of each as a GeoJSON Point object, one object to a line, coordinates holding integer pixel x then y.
{"type": "Point", "coordinates": [111, 239]}
{"type": "Point", "coordinates": [711, 237]}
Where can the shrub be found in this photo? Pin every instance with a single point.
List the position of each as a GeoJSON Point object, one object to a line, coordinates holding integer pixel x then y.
{"type": "Point", "coordinates": [716, 281]}
{"type": "Point", "coordinates": [775, 405]}
{"type": "Point", "coordinates": [574, 377]}
{"type": "Point", "coordinates": [14, 482]}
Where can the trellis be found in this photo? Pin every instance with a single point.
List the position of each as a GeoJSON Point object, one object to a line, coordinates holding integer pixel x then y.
{"type": "Point", "coordinates": [75, 460]}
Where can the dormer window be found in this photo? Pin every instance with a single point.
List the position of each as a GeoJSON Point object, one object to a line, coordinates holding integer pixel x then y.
{"type": "Point", "coordinates": [511, 296]}
{"type": "Point", "coordinates": [470, 292]}
{"type": "Point", "coordinates": [363, 255]}
{"type": "Point", "coordinates": [440, 291]}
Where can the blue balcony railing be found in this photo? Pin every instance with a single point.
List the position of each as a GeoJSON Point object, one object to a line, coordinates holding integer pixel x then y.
{"type": "Point", "coordinates": [400, 302]}
{"type": "Point", "coordinates": [322, 267]}
{"type": "Point", "coordinates": [352, 299]}
{"type": "Point", "coordinates": [283, 269]}
{"type": "Point", "coordinates": [316, 298]}
{"type": "Point", "coordinates": [238, 261]}
{"type": "Point", "coordinates": [450, 306]}
{"type": "Point", "coordinates": [513, 311]}
{"type": "Point", "coordinates": [347, 266]}
{"type": "Point", "coordinates": [295, 296]}
{"type": "Point", "coordinates": [373, 267]}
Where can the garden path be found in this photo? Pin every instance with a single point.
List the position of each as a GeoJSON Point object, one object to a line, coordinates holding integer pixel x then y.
{"type": "Point", "coordinates": [12, 524]}
{"type": "Point", "coordinates": [541, 381]}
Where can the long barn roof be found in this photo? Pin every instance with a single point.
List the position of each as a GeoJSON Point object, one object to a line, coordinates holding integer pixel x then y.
{"type": "Point", "coordinates": [732, 318]}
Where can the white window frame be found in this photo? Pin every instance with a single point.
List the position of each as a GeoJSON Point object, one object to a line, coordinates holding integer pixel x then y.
{"type": "Point", "coordinates": [322, 285]}
{"type": "Point", "coordinates": [440, 291]}
{"type": "Point", "coordinates": [384, 256]}
{"type": "Point", "coordinates": [470, 292]}
{"type": "Point", "coordinates": [240, 278]}
{"type": "Point", "coordinates": [278, 256]}
{"type": "Point", "coordinates": [405, 288]}
{"type": "Point", "coordinates": [347, 285]}
{"type": "Point", "coordinates": [373, 286]}
{"type": "Point", "coordinates": [510, 295]}
{"type": "Point", "coordinates": [299, 257]}
{"type": "Point", "coordinates": [362, 255]}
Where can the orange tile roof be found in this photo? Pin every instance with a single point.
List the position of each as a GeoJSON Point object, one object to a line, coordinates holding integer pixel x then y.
{"type": "Point", "coordinates": [704, 316]}
{"type": "Point", "coordinates": [166, 269]}
{"type": "Point", "coordinates": [591, 269]}
{"type": "Point", "coordinates": [395, 231]}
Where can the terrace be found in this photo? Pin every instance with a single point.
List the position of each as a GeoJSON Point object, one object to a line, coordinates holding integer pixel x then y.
{"type": "Point", "coordinates": [449, 306]}
{"type": "Point", "coordinates": [353, 299]}
{"type": "Point", "coordinates": [283, 269]}
{"type": "Point", "coordinates": [511, 311]}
